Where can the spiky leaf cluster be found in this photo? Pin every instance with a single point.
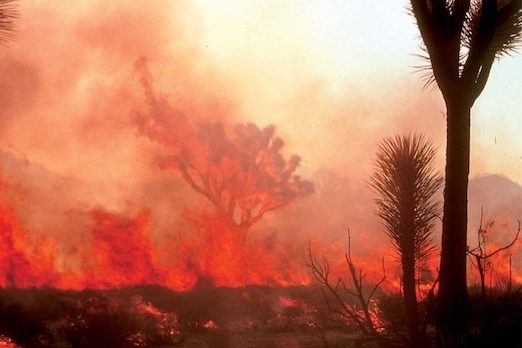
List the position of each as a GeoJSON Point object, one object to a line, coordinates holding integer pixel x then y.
{"type": "Point", "coordinates": [462, 38]}
{"type": "Point", "coordinates": [405, 183]}
{"type": "Point", "coordinates": [506, 28]}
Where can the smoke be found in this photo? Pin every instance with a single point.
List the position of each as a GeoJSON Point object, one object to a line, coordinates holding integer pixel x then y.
{"type": "Point", "coordinates": [79, 174]}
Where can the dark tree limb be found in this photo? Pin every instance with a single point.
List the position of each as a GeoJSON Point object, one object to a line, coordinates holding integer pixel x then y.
{"type": "Point", "coordinates": [321, 272]}
{"type": "Point", "coordinates": [480, 255]}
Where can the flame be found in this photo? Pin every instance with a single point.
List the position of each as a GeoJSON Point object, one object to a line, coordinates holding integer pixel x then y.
{"type": "Point", "coordinates": [122, 252]}
{"type": "Point", "coordinates": [210, 325]}
{"type": "Point", "coordinates": [501, 270]}
{"type": "Point", "coordinates": [165, 322]}
{"type": "Point", "coordinates": [23, 263]}
{"type": "Point", "coordinates": [16, 269]}
{"type": "Point", "coordinates": [7, 342]}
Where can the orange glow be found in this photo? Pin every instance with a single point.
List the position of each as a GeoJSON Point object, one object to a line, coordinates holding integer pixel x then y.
{"type": "Point", "coordinates": [99, 97]}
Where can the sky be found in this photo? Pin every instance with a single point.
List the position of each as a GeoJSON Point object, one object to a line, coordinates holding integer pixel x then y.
{"type": "Point", "coordinates": [357, 53]}
{"type": "Point", "coordinates": [333, 76]}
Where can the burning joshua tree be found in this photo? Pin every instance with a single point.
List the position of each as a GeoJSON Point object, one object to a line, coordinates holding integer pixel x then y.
{"type": "Point", "coordinates": [240, 171]}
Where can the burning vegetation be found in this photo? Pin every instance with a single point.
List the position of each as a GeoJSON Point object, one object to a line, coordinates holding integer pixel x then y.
{"type": "Point", "coordinates": [220, 242]}
{"type": "Point", "coordinates": [220, 284]}
{"type": "Point", "coordinates": [223, 286]}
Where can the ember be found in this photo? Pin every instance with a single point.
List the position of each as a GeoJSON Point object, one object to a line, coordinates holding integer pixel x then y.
{"type": "Point", "coordinates": [6, 342]}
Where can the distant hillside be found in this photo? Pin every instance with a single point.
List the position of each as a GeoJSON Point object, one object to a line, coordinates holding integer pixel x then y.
{"type": "Point", "coordinates": [497, 194]}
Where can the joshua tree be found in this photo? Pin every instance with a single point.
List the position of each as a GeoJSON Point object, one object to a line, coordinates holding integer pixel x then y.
{"type": "Point", "coordinates": [242, 173]}
{"type": "Point", "coordinates": [462, 38]}
{"type": "Point", "coordinates": [240, 170]}
{"type": "Point", "coordinates": [405, 183]}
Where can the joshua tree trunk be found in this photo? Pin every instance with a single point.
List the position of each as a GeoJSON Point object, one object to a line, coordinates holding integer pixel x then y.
{"type": "Point", "coordinates": [410, 300]}
{"type": "Point", "coordinates": [409, 263]}
{"type": "Point", "coordinates": [406, 184]}
{"type": "Point", "coordinates": [453, 294]}
{"type": "Point", "coordinates": [462, 40]}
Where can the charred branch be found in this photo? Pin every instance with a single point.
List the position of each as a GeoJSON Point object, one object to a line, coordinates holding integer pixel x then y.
{"type": "Point", "coordinates": [360, 314]}
{"type": "Point", "coordinates": [479, 254]}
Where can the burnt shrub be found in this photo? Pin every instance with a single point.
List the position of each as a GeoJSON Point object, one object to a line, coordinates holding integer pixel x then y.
{"type": "Point", "coordinates": [54, 318]}
{"type": "Point", "coordinates": [496, 320]}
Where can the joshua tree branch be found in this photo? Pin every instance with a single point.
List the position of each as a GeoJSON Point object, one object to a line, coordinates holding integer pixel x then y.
{"type": "Point", "coordinates": [480, 44]}
{"type": "Point", "coordinates": [460, 9]}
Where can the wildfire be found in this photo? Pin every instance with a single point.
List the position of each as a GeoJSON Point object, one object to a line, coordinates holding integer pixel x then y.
{"type": "Point", "coordinates": [240, 175]}
{"type": "Point", "coordinates": [121, 253]}
{"type": "Point", "coordinates": [238, 169]}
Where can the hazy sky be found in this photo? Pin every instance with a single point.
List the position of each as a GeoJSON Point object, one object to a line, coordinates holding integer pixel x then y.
{"type": "Point", "coordinates": [334, 76]}
{"type": "Point", "coordinates": [359, 52]}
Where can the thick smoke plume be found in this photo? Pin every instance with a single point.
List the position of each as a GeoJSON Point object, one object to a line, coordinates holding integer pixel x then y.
{"type": "Point", "coordinates": [88, 200]}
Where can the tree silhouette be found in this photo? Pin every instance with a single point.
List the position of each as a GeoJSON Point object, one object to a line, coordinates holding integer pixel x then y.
{"type": "Point", "coordinates": [336, 293]}
{"type": "Point", "coordinates": [240, 169]}
{"type": "Point", "coordinates": [462, 38]}
{"type": "Point", "coordinates": [481, 254]}
{"type": "Point", "coordinates": [242, 173]}
{"type": "Point", "coordinates": [405, 183]}
{"type": "Point", "coordinates": [8, 14]}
